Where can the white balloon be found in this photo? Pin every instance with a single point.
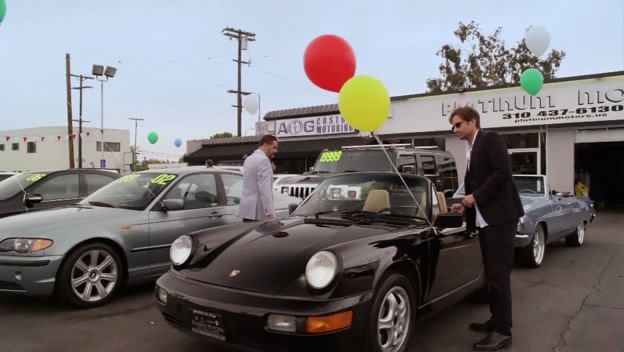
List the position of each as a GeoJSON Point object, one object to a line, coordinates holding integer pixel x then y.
{"type": "Point", "coordinates": [250, 103]}
{"type": "Point", "coordinates": [537, 40]}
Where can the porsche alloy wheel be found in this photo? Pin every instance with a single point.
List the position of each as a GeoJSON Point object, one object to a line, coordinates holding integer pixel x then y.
{"type": "Point", "coordinates": [393, 315]}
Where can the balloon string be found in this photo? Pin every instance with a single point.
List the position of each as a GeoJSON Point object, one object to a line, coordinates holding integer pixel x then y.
{"type": "Point", "coordinates": [383, 148]}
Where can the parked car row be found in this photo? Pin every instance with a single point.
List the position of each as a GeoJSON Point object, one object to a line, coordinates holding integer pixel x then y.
{"type": "Point", "coordinates": [355, 264]}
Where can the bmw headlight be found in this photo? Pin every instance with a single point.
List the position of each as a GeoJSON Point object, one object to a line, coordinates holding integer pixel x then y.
{"type": "Point", "coordinates": [321, 269]}
{"type": "Point", "coordinates": [25, 245]}
{"type": "Point", "coordinates": [181, 250]}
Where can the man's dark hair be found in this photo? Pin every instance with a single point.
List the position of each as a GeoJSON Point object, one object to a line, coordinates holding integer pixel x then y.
{"type": "Point", "coordinates": [267, 139]}
{"type": "Point", "coordinates": [467, 114]}
{"type": "Point", "coordinates": [209, 163]}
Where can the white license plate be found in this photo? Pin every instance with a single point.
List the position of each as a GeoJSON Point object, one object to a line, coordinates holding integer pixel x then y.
{"type": "Point", "coordinates": [207, 324]}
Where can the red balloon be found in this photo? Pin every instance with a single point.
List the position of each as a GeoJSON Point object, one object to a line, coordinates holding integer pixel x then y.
{"type": "Point", "coordinates": [329, 62]}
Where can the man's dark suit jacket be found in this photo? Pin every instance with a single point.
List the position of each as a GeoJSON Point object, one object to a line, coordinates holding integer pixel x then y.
{"type": "Point", "coordinates": [489, 180]}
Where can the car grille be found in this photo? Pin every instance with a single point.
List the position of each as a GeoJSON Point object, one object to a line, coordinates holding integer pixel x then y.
{"type": "Point", "coordinates": [13, 286]}
{"type": "Point", "coordinates": [299, 191]}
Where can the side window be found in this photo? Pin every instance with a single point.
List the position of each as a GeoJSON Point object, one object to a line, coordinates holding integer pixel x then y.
{"type": "Point", "coordinates": [95, 182]}
{"type": "Point", "coordinates": [428, 165]}
{"type": "Point", "coordinates": [233, 188]}
{"type": "Point", "coordinates": [406, 160]}
{"type": "Point", "coordinates": [58, 187]}
{"type": "Point", "coordinates": [198, 191]}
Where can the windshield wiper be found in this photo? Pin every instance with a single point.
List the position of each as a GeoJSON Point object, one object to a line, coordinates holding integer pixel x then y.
{"type": "Point", "coordinates": [316, 215]}
{"type": "Point", "coordinates": [102, 204]}
{"type": "Point", "coordinates": [360, 215]}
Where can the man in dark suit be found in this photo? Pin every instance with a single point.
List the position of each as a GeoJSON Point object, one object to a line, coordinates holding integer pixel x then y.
{"type": "Point", "coordinates": [492, 206]}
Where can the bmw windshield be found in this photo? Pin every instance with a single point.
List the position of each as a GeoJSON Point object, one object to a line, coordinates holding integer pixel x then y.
{"type": "Point", "coordinates": [135, 191]}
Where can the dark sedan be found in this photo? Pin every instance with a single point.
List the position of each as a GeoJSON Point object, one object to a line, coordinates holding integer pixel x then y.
{"type": "Point", "coordinates": [39, 190]}
{"type": "Point", "coordinates": [353, 268]}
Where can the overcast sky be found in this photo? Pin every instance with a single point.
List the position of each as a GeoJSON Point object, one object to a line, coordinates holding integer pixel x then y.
{"type": "Point", "coordinates": [174, 65]}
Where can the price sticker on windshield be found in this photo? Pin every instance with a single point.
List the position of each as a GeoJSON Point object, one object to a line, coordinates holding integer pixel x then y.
{"type": "Point", "coordinates": [331, 156]}
{"type": "Point", "coordinates": [35, 177]}
{"type": "Point", "coordinates": [127, 178]}
{"type": "Point", "coordinates": [163, 179]}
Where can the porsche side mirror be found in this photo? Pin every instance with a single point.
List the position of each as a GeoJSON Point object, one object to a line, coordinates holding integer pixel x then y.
{"type": "Point", "coordinates": [291, 208]}
{"type": "Point", "coordinates": [172, 204]}
{"type": "Point", "coordinates": [31, 200]}
{"type": "Point", "coordinates": [449, 220]}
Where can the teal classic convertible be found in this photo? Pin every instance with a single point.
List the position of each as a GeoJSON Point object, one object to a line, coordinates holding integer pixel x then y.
{"type": "Point", "coordinates": [120, 234]}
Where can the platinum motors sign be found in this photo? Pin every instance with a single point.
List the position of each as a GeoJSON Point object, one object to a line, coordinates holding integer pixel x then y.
{"type": "Point", "coordinates": [579, 101]}
{"type": "Point", "coordinates": [312, 126]}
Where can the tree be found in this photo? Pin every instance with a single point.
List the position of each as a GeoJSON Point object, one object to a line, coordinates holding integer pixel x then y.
{"type": "Point", "coordinates": [221, 135]}
{"type": "Point", "coordinates": [143, 165]}
{"type": "Point", "coordinates": [486, 62]}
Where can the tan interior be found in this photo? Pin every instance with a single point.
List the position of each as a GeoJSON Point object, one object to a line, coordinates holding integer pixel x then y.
{"type": "Point", "coordinates": [376, 200]}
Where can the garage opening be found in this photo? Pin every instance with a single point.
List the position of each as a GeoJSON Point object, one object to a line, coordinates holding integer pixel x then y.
{"type": "Point", "coordinates": [600, 166]}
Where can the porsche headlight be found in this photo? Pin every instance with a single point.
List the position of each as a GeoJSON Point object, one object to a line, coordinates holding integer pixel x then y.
{"type": "Point", "coordinates": [25, 245]}
{"type": "Point", "coordinates": [181, 250]}
{"type": "Point", "coordinates": [321, 269]}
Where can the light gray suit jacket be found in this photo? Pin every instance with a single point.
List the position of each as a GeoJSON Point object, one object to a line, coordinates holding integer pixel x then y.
{"type": "Point", "coordinates": [257, 199]}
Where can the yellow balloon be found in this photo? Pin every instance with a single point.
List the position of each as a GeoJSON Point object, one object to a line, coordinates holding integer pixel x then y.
{"type": "Point", "coordinates": [364, 103]}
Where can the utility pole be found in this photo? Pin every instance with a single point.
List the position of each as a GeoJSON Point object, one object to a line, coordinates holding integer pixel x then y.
{"type": "Point", "coordinates": [82, 79]}
{"type": "Point", "coordinates": [242, 37]}
{"type": "Point", "coordinates": [70, 130]}
{"type": "Point", "coordinates": [134, 151]}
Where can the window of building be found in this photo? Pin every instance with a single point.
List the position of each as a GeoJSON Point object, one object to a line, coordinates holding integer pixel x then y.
{"type": "Point", "coordinates": [15, 146]}
{"type": "Point", "coordinates": [108, 146]}
{"type": "Point", "coordinates": [31, 147]}
{"type": "Point", "coordinates": [1, 147]}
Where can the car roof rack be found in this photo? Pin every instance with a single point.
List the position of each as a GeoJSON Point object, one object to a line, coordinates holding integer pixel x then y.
{"type": "Point", "coordinates": [377, 146]}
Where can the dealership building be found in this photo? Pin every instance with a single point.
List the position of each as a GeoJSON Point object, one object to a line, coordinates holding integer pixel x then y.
{"type": "Point", "coordinates": [573, 128]}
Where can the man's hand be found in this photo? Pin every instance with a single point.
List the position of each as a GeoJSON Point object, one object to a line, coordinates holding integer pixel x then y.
{"type": "Point", "coordinates": [457, 208]}
{"type": "Point", "coordinates": [270, 216]}
{"type": "Point", "coordinates": [468, 201]}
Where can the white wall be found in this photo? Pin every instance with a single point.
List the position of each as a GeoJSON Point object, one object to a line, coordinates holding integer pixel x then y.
{"type": "Point", "coordinates": [53, 154]}
{"type": "Point", "coordinates": [457, 147]}
{"type": "Point", "coordinates": [560, 158]}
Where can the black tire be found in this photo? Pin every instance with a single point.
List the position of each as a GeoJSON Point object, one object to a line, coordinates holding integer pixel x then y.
{"type": "Point", "coordinates": [92, 277]}
{"type": "Point", "coordinates": [577, 238]}
{"type": "Point", "coordinates": [399, 285]}
{"type": "Point", "coordinates": [529, 256]}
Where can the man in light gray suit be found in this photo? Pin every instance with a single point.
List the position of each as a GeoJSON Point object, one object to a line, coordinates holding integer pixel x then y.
{"type": "Point", "coordinates": [257, 201]}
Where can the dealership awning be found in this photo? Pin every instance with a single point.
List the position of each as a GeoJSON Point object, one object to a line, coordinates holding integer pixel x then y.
{"type": "Point", "coordinates": [286, 149]}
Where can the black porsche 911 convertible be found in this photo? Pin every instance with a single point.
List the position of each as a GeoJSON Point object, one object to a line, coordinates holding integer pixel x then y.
{"type": "Point", "coordinates": [353, 268]}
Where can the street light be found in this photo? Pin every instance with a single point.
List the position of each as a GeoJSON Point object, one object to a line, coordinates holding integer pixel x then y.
{"type": "Point", "coordinates": [102, 74]}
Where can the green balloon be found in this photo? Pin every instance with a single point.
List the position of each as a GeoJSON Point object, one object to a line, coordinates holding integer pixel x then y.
{"type": "Point", "coordinates": [2, 10]}
{"type": "Point", "coordinates": [152, 137]}
{"type": "Point", "coordinates": [532, 80]}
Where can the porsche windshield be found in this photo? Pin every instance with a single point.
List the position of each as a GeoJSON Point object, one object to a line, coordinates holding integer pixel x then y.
{"type": "Point", "coordinates": [17, 183]}
{"type": "Point", "coordinates": [135, 191]}
{"type": "Point", "coordinates": [370, 193]}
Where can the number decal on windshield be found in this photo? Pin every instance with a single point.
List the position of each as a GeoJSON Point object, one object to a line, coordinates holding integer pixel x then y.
{"type": "Point", "coordinates": [331, 156]}
{"type": "Point", "coordinates": [163, 179]}
{"type": "Point", "coordinates": [127, 178]}
{"type": "Point", "coordinates": [35, 177]}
